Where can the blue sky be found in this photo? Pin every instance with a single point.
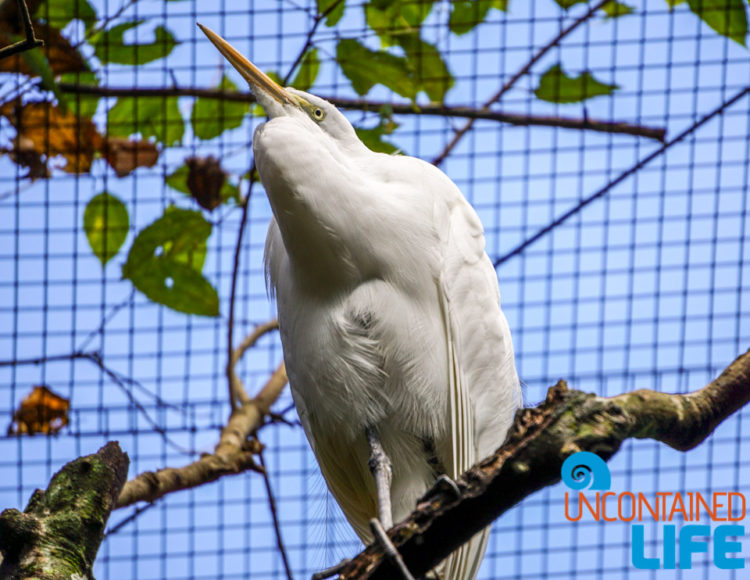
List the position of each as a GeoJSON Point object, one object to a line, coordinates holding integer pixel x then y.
{"type": "Point", "coordinates": [647, 287]}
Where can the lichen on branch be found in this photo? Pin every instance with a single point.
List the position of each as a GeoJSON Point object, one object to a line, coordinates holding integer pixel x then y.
{"type": "Point", "coordinates": [58, 535]}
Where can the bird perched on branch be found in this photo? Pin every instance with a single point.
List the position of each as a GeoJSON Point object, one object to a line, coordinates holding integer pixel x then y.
{"type": "Point", "coordinates": [399, 357]}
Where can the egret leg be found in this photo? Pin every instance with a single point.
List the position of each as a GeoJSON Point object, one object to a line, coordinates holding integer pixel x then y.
{"type": "Point", "coordinates": [390, 550]}
{"type": "Point", "coordinates": [380, 466]}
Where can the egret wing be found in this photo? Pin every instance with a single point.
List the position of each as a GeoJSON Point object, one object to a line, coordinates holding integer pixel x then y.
{"type": "Point", "coordinates": [484, 390]}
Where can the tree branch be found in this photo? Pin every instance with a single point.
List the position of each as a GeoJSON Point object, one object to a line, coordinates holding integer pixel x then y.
{"type": "Point", "coordinates": [620, 178]}
{"type": "Point", "coordinates": [236, 390]}
{"type": "Point", "coordinates": [275, 518]}
{"type": "Point", "coordinates": [31, 41]}
{"type": "Point", "coordinates": [532, 455]}
{"type": "Point", "coordinates": [59, 533]}
{"type": "Point", "coordinates": [458, 135]}
{"type": "Point", "coordinates": [430, 109]}
{"type": "Point", "coordinates": [125, 383]}
{"type": "Point", "coordinates": [317, 19]}
{"type": "Point", "coordinates": [233, 454]}
{"type": "Point", "coordinates": [236, 354]}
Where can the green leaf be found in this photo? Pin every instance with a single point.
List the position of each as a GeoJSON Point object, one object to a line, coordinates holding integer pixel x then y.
{"type": "Point", "coordinates": [177, 180]}
{"type": "Point", "coordinates": [109, 46]}
{"type": "Point", "coordinates": [308, 71]}
{"type": "Point", "coordinates": [211, 117]}
{"type": "Point", "coordinates": [275, 77]}
{"type": "Point", "coordinates": [467, 14]}
{"type": "Point", "coordinates": [106, 224]}
{"type": "Point", "coordinates": [166, 260]}
{"type": "Point", "coordinates": [429, 69]}
{"type": "Point", "coordinates": [568, 3]}
{"type": "Point", "coordinates": [615, 9]}
{"type": "Point", "coordinates": [59, 13]}
{"type": "Point", "coordinates": [79, 104]}
{"type": "Point", "coordinates": [727, 17]}
{"type": "Point", "coordinates": [333, 9]}
{"type": "Point", "coordinates": [391, 18]}
{"type": "Point", "coordinates": [373, 138]}
{"type": "Point", "coordinates": [557, 87]}
{"type": "Point", "coordinates": [673, 3]}
{"type": "Point", "coordinates": [366, 68]}
{"type": "Point", "coordinates": [157, 117]}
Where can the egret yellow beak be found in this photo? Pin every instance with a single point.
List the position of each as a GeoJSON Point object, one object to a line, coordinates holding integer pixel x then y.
{"type": "Point", "coordinates": [259, 82]}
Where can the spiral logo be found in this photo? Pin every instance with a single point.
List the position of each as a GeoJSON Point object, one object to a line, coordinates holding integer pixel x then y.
{"type": "Point", "coordinates": [585, 470]}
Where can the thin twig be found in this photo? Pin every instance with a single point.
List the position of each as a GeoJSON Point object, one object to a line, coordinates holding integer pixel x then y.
{"type": "Point", "coordinates": [318, 18]}
{"type": "Point", "coordinates": [17, 362]}
{"type": "Point", "coordinates": [131, 518]}
{"type": "Point", "coordinates": [235, 384]}
{"type": "Point", "coordinates": [236, 390]}
{"type": "Point", "coordinates": [429, 109]}
{"type": "Point", "coordinates": [459, 133]}
{"type": "Point", "coordinates": [233, 454]}
{"type": "Point", "coordinates": [275, 517]}
{"type": "Point", "coordinates": [96, 358]}
{"type": "Point", "coordinates": [105, 22]}
{"type": "Point", "coordinates": [125, 383]}
{"type": "Point", "coordinates": [620, 178]}
{"type": "Point", "coordinates": [249, 341]}
{"type": "Point", "coordinates": [31, 41]}
{"type": "Point", "coordinates": [105, 320]}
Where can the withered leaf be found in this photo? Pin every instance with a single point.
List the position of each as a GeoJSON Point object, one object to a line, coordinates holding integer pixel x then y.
{"type": "Point", "coordinates": [11, 16]}
{"type": "Point", "coordinates": [48, 131]}
{"type": "Point", "coordinates": [205, 181]}
{"type": "Point", "coordinates": [22, 153]}
{"type": "Point", "coordinates": [42, 411]}
{"type": "Point", "coordinates": [125, 155]}
{"type": "Point", "coordinates": [61, 55]}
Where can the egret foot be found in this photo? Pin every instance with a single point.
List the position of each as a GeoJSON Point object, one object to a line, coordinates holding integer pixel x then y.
{"type": "Point", "coordinates": [390, 550]}
{"type": "Point", "coordinates": [332, 571]}
{"type": "Point", "coordinates": [380, 466]}
{"type": "Point", "coordinates": [443, 483]}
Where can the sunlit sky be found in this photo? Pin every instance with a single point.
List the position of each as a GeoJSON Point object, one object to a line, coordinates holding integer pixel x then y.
{"type": "Point", "coordinates": [649, 286]}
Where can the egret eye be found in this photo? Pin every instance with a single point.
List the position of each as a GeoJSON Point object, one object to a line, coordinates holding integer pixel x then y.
{"type": "Point", "coordinates": [318, 114]}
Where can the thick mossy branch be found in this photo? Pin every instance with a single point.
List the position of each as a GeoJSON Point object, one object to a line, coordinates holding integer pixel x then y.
{"type": "Point", "coordinates": [532, 455]}
{"type": "Point", "coordinates": [58, 535]}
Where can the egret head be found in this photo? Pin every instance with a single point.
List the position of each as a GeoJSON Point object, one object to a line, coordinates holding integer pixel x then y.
{"type": "Point", "coordinates": [279, 101]}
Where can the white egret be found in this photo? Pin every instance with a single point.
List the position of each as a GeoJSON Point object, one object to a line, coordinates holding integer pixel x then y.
{"type": "Point", "coordinates": [395, 344]}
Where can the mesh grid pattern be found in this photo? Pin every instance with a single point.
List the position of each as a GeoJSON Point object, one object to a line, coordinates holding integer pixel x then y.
{"type": "Point", "coordinates": [648, 286]}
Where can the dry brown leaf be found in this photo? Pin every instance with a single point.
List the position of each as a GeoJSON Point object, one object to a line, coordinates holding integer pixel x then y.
{"type": "Point", "coordinates": [205, 180]}
{"type": "Point", "coordinates": [23, 154]}
{"type": "Point", "coordinates": [50, 132]}
{"type": "Point", "coordinates": [61, 55]}
{"type": "Point", "coordinates": [125, 155]}
{"type": "Point", "coordinates": [42, 411]}
{"type": "Point", "coordinates": [10, 17]}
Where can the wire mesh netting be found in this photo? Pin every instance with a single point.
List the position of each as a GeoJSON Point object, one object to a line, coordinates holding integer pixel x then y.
{"type": "Point", "coordinates": [623, 260]}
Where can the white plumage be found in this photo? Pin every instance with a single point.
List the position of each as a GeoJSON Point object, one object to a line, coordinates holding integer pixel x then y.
{"type": "Point", "coordinates": [388, 308]}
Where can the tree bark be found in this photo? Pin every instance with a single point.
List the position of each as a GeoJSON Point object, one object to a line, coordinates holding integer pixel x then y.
{"type": "Point", "coordinates": [58, 535]}
{"type": "Point", "coordinates": [532, 455]}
